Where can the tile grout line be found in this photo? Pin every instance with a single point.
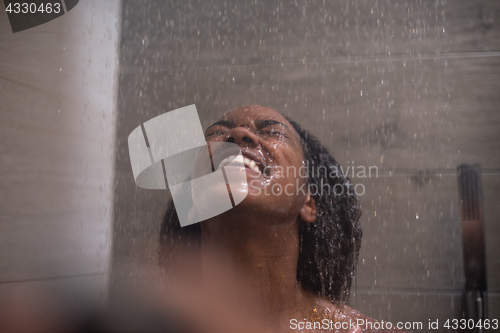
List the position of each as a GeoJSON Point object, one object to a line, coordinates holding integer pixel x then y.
{"type": "Point", "coordinates": [343, 60]}
{"type": "Point", "coordinates": [53, 278]}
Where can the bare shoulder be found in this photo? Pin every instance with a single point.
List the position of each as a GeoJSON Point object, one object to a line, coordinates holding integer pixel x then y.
{"type": "Point", "coordinates": [347, 316]}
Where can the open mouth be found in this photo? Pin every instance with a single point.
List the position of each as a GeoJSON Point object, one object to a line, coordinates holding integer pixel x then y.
{"type": "Point", "coordinates": [251, 159]}
{"type": "Point", "coordinates": [241, 160]}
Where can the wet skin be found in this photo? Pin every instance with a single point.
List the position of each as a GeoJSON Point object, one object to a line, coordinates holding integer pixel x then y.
{"type": "Point", "coordinates": [269, 139]}
{"type": "Point", "coordinates": [261, 233]}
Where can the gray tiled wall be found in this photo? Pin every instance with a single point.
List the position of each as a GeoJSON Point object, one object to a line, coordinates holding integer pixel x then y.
{"type": "Point", "coordinates": [57, 132]}
{"type": "Point", "coordinates": [409, 87]}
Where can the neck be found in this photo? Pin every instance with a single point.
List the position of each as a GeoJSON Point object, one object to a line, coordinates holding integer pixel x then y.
{"type": "Point", "coordinates": [265, 253]}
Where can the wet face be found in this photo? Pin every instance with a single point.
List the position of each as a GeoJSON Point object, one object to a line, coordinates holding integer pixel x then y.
{"type": "Point", "coordinates": [273, 159]}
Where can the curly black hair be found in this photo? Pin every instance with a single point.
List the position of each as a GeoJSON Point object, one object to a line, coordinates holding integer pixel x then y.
{"type": "Point", "coordinates": [328, 248]}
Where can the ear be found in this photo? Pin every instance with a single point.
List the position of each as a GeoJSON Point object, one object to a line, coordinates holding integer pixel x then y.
{"type": "Point", "coordinates": [308, 210]}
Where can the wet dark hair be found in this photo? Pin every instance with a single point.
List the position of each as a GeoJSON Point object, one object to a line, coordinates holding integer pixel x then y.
{"type": "Point", "coordinates": [328, 248]}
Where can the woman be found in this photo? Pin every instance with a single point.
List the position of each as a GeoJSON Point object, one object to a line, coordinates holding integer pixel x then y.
{"type": "Point", "coordinates": [297, 248]}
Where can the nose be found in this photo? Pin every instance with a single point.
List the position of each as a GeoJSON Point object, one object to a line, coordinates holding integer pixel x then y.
{"type": "Point", "coordinates": [242, 137]}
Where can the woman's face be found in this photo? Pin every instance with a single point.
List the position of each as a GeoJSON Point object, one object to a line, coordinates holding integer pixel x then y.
{"type": "Point", "coordinates": [273, 157]}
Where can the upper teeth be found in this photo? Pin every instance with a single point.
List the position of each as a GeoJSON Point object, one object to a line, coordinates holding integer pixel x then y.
{"type": "Point", "coordinates": [239, 160]}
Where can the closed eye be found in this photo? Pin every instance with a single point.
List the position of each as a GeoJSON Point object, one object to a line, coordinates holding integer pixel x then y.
{"type": "Point", "coordinates": [272, 127]}
{"type": "Point", "coordinates": [271, 132]}
{"type": "Point", "coordinates": [214, 133]}
{"type": "Point", "coordinates": [215, 130]}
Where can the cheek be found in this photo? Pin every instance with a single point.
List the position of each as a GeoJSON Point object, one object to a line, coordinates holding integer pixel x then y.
{"type": "Point", "coordinates": [291, 175]}
{"type": "Point", "coordinates": [292, 166]}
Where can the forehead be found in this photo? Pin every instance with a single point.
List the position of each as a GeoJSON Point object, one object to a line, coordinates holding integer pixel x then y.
{"type": "Point", "coordinates": [251, 113]}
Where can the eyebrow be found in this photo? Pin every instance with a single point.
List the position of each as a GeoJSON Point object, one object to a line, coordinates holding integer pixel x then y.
{"type": "Point", "coordinates": [259, 123]}
{"type": "Point", "coordinates": [270, 122]}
